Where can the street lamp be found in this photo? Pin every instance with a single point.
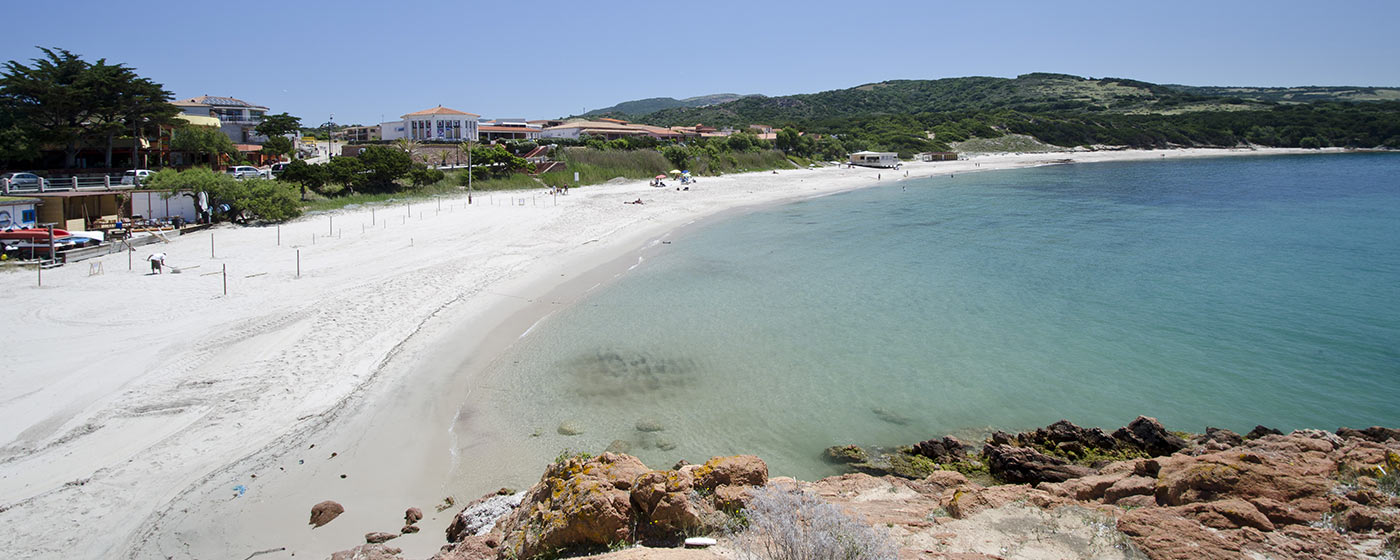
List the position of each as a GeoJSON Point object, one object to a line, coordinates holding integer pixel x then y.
{"type": "Point", "coordinates": [330, 139]}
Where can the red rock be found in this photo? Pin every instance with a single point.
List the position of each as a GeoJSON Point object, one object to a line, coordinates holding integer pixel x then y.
{"type": "Point", "coordinates": [1228, 514]}
{"type": "Point", "coordinates": [1130, 486]}
{"type": "Point", "coordinates": [412, 515]}
{"type": "Point", "coordinates": [325, 512]}
{"type": "Point", "coordinates": [739, 469]}
{"type": "Point", "coordinates": [1129, 502]}
{"type": "Point", "coordinates": [379, 537]}
{"type": "Point", "coordinates": [1084, 489]}
{"type": "Point", "coordinates": [369, 552]}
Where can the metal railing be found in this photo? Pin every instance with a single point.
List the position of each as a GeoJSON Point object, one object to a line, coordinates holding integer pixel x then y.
{"type": "Point", "coordinates": [61, 184]}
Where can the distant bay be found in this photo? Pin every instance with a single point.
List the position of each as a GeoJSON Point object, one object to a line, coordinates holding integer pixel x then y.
{"type": "Point", "coordinates": [1225, 292]}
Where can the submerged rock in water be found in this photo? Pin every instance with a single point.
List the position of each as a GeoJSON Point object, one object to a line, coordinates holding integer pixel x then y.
{"type": "Point", "coordinates": [569, 428]}
{"type": "Point", "coordinates": [891, 416]}
{"type": "Point", "coordinates": [619, 375]}
{"type": "Point", "coordinates": [649, 425]}
{"type": "Point", "coordinates": [665, 445]}
{"type": "Point", "coordinates": [619, 446]}
{"type": "Point", "coordinates": [846, 454]}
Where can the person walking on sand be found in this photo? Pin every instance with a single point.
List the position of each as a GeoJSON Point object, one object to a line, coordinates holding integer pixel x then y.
{"type": "Point", "coordinates": [157, 261]}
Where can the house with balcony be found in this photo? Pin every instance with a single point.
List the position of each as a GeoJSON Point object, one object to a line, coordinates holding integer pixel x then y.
{"type": "Point", "coordinates": [237, 118]}
{"type": "Point", "coordinates": [440, 124]}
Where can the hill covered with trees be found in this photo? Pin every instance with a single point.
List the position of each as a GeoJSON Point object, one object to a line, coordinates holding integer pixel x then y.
{"type": "Point", "coordinates": [915, 115]}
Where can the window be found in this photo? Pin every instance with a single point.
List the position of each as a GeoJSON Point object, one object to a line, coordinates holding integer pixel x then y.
{"type": "Point", "coordinates": [27, 216]}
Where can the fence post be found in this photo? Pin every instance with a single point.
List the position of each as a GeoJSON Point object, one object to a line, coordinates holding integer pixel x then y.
{"type": "Point", "coordinates": [225, 271]}
{"type": "Point", "coordinates": [331, 228]}
{"type": "Point", "coordinates": [75, 182]}
{"type": "Point", "coordinates": [211, 245]}
{"type": "Point", "coordinates": [107, 181]}
{"type": "Point", "coordinates": [298, 263]}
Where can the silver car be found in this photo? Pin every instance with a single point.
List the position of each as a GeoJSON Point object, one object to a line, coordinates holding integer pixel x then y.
{"type": "Point", "coordinates": [22, 180]}
{"type": "Point", "coordinates": [244, 172]}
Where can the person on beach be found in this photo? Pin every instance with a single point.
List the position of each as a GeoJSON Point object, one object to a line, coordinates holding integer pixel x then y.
{"type": "Point", "coordinates": [157, 261]}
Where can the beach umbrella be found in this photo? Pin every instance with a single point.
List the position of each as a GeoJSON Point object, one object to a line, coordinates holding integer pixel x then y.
{"type": "Point", "coordinates": [675, 172]}
{"type": "Point", "coordinates": [660, 176]}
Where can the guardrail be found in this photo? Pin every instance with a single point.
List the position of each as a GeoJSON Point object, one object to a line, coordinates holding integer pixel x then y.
{"type": "Point", "coordinates": [60, 184]}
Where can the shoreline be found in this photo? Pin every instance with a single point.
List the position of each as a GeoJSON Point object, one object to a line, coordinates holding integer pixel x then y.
{"type": "Point", "coordinates": [181, 448]}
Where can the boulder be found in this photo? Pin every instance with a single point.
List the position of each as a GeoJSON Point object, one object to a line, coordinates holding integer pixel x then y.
{"type": "Point", "coordinates": [485, 547]}
{"type": "Point", "coordinates": [481, 515]}
{"type": "Point", "coordinates": [947, 450]}
{"type": "Point", "coordinates": [1026, 465]}
{"type": "Point", "coordinates": [845, 454]}
{"type": "Point", "coordinates": [376, 551]}
{"type": "Point", "coordinates": [649, 425]}
{"type": "Point", "coordinates": [1228, 514]}
{"type": "Point", "coordinates": [576, 503]}
{"type": "Point", "coordinates": [412, 515]}
{"type": "Point", "coordinates": [325, 512]}
{"type": "Point", "coordinates": [379, 537]}
{"type": "Point", "coordinates": [1130, 486]}
{"type": "Point", "coordinates": [1376, 434]}
{"type": "Point", "coordinates": [1220, 435]}
{"type": "Point", "coordinates": [1086, 488]}
{"type": "Point", "coordinates": [1148, 435]}
{"type": "Point", "coordinates": [407, 529]}
{"type": "Point", "coordinates": [1068, 438]}
{"type": "Point", "coordinates": [1163, 534]}
{"type": "Point", "coordinates": [663, 501]}
{"type": "Point", "coordinates": [569, 428]}
{"type": "Point", "coordinates": [1261, 431]}
{"type": "Point", "coordinates": [964, 503]}
{"type": "Point", "coordinates": [746, 470]}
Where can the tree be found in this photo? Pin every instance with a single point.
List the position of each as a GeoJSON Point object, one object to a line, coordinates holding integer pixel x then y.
{"type": "Point", "coordinates": [496, 161]}
{"type": "Point", "coordinates": [786, 140]}
{"type": "Point", "coordinates": [740, 142]}
{"type": "Point", "coordinates": [249, 199]}
{"type": "Point", "coordinates": [382, 167]}
{"type": "Point", "coordinates": [277, 146]}
{"type": "Point", "coordinates": [676, 155]}
{"type": "Point", "coordinates": [63, 99]}
{"type": "Point", "coordinates": [278, 125]}
{"type": "Point", "coordinates": [344, 170]}
{"type": "Point", "coordinates": [204, 140]}
{"type": "Point", "coordinates": [308, 176]}
{"type": "Point", "coordinates": [421, 175]}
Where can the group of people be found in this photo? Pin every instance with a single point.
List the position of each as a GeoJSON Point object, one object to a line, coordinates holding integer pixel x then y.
{"type": "Point", "coordinates": [562, 189]}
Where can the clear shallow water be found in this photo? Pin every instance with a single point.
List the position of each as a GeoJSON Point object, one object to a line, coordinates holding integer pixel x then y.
{"type": "Point", "coordinates": [1226, 292]}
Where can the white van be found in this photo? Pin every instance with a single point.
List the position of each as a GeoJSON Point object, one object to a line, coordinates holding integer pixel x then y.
{"type": "Point", "coordinates": [135, 176]}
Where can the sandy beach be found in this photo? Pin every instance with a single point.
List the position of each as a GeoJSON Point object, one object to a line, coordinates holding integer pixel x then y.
{"type": "Point", "coordinates": [153, 416]}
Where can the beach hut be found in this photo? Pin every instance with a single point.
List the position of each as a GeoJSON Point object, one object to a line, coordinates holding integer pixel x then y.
{"type": "Point", "coordinates": [18, 212]}
{"type": "Point", "coordinates": [875, 159]}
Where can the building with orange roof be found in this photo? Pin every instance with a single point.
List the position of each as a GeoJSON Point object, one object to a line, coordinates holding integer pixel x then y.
{"type": "Point", "coordinates": [434, 124]}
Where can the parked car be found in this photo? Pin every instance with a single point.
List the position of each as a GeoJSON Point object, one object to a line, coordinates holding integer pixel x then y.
{"type": "Point", "coordinates": [277, 169]}
{"type": "Point", "coordinates": [244, 172]}
{"type": "Point", "coordinates": [135, 176]}
{"type": "Point", "coordinates": [23, 180]}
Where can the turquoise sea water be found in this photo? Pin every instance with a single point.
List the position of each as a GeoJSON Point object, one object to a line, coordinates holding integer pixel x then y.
{"type": "Point", "coordinates": [1224, 292]}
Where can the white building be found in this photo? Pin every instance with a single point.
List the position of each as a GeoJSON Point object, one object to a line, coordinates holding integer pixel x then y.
{"type": "Point", "coordinates": [18, 213]}
{"type": "Point", "coordinates": [392, 130]}
{"type": "Point", "coordinates": [875, 159]}
{"type": "Point", "coordinates": [438, 123]}
{"type": "Point", "coordinates": [237, 118]}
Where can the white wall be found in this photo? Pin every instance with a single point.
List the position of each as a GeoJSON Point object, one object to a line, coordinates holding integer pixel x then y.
{"type": "Point", "coordinates": [571, 132]}
{"type": "Point", "coordinates": [152, 205]}
{"type": "Point", "coordinates": [12, 215]}
{"type": "Point", "coordinates": [393, 130]}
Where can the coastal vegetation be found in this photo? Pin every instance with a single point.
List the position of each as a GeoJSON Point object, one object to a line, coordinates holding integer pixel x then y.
{"type": "Point", "coordinates": [909, 116]}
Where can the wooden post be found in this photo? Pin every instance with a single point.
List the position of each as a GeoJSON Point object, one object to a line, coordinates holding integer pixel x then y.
{"type": "Point", "coordinates": [279, 235]}
{"type": "Point", "coordinates": [225, 271]}
{"type": "Point", "coordinates": [371, 216]}
{"type": "Point", "coordinates": [298, 263]}
{"type": "Point", "coordinates": [313, 239]}
{"type": "Point", "coordinates": [129, 251]}
{"type": "Point", "coordinates": [331, 229]}
{"type": "Point", "coordinates": [39, 267]}
{"type": "Point", "coordinates": [211, 245]}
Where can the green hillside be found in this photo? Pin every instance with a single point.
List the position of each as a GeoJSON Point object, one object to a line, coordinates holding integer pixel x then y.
{"type": "Point", "coordinates": [1307, 94]}
{"type": "Point", "coordinates": [654, 104]}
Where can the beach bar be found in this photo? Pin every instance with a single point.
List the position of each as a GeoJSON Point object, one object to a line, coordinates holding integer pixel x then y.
{"type": "Point", "coordinates": [875, 159]}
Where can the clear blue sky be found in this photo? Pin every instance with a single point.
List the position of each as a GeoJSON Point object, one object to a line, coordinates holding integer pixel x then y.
{"type": "Point", "coordinates": [547, 59]}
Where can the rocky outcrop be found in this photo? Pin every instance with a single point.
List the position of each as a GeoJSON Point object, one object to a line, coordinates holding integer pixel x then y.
{"type": "Point", "coordinates": [376, 551]}
{"type": "Point", "coordinates": [1148, 435]}
{"type": "Point", "coordinates": [946, 450]}
{"type": "Point", "coordinates": [325, 512]}
{"type": "Point", "coordinates": [1025, 465]}
{"type": "Point", "coordinates": [1376, 434]}
{"type": "Point", "coordinates": [583, 502]}
{"type": "Point", "coordinates": [480, 516]}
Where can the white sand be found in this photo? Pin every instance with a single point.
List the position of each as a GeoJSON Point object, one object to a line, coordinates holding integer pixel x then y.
{"type": "Point", "coordinates": [133, 405]}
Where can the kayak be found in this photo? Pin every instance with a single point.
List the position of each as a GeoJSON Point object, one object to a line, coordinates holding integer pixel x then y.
{"type": "Point", "coordinates": [32, 234]}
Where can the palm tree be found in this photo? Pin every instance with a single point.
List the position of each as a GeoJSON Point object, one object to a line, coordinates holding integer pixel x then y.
{"type": "Point", "coordinates": [409, 146]}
